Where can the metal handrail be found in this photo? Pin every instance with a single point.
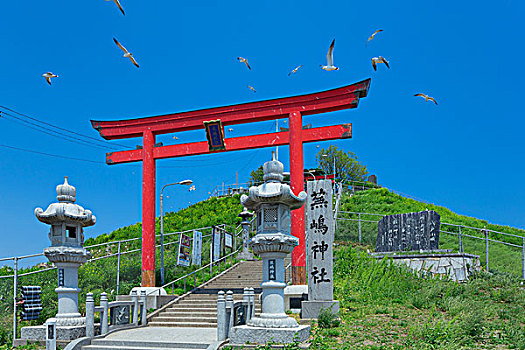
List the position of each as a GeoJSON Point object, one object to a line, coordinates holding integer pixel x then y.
{"type": "Point", "coordinates": [443, 223]}
{"type": "Point", "coordinates": [193, 272]}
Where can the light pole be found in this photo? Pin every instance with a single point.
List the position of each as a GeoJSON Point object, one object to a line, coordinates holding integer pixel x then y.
{"type": "Point", "coordinates": [183, 182]}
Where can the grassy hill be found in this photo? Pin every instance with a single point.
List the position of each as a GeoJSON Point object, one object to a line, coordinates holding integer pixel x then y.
{"type": "Point", "coordinates": [502, 257]}
{"type": "Point", "coordinates": [385, 306]}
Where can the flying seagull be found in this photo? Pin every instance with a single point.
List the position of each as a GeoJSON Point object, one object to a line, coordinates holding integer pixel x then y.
{"type": "Point", "coordinates": [126, 53]}
{"type": "Point", "coordinates": [175, 138]}
{"type": "Point", "coordinates": [330, 59]}
{"type": "Point", "coordinates": [295, 70]}
{"type": "Point", "coordinates": [119, 6]}
{"type": "Point", "coordinates": [192, 188]}
{"type": "Point", "coordinates": [426, 97]}
{"type": "Point", "coordinates": [230, 129]}
{"type": "Point", "coordinates": [373, 35]}
{"type": "Point", "coordinates": [48, 76]}
{"type": "Point", "coordinates": [380, 59]}
{"type": "Point", "coordinates": [251, 88]}
{"type": "Point", "coordinates": [245, 61]}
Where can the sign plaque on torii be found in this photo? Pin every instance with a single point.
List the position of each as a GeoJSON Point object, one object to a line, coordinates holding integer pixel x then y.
{"type": "Point", "coordinates": [293, 108]}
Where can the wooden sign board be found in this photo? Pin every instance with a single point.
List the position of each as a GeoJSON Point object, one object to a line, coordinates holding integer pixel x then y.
{"type": "Point", "coordinates": [215, 135]}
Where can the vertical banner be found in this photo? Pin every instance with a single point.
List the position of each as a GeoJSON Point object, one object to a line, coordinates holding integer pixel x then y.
{"type": "Point", "coordinates": [183, 258]}
{"type": "Point", "coordinates": [228, 240]}
{"type": "Point", "coordinates": [216, 243]}
{"type": "Point", "coordinates": [197, 248]}
{"type": "Point", "coordinates": [320, 240]}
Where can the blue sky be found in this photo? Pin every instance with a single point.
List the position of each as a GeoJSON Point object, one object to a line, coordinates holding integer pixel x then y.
{"type": "Point", "coordinates": [467, 153]}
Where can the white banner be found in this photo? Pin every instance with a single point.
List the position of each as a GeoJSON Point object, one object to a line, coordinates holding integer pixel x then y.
{"type": "Point", "coordinates": [197, 248]}
{"type": "Point", "coordinates": [216, 243]}
{"type": "Point", "coordinates": [228, 240]}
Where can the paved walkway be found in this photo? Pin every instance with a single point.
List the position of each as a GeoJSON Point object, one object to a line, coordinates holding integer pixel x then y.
{"type": "Point", "coordinates": [167, 334]}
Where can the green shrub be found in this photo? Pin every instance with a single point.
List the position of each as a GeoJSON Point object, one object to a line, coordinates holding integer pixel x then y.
{"type": "Point", "coordinates": [327, 319]}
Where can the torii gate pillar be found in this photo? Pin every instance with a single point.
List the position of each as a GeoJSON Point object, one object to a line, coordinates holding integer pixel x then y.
{"type": "Point", "coordinates": [297, 185]}
{"type": "Point", "coordinates": [148, 210]}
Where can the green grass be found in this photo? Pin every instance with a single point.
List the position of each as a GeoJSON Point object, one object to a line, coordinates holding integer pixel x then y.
{"type": "Point", "coordinates": [502, 258]}
{"type": "Point", "coordinates": [386, 306]}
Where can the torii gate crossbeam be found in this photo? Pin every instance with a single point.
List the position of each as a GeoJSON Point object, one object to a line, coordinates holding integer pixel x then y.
{"type": "Point", "coordinates": [293, 108]}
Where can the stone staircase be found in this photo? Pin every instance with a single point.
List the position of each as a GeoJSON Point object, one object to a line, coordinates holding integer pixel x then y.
{"type": "Point", "coordinates": [151, 338]}
{"type": "Point", "coordinates": [199, 308]}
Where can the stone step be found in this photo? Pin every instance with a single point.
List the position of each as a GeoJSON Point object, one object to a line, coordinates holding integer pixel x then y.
{"type": "Point", "coordinates": [184, 319]}
{"type": "Point", "coordinates": [145, 344]}
{"type": "Point", "coordinates": [120, 347]}
{"type": "Point", "coordinates": [194, 308]}
{"type": "Point", "coordinates": [186, 313]}
{"type": "Point", "coordinates": [180, 324]}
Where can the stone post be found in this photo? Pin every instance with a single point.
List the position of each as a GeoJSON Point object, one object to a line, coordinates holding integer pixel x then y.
{"type": "Point", "coordinates": [229, 312]}
{"type": "Point", "coordinates": [51, 335]}
{"type": "Point", "coordinates": [245, 215]}
{"type": "Point", "coordinates": [90, 315]}
{"type": "Point", "coordinates": [246, 303]}
{"type": "Point", "coordinates": [135, 300]}
{"type": "Point", "coordinates": [104, 318]}
{"type": "Point", "coordinates": [221, 316]}
{"type": "Point", "coordinates": [144, 312]}
{"type": "Point", "coordinates": [251, 293]}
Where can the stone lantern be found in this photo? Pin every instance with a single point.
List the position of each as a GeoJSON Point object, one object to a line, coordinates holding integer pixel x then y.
{"type": "Point", "coordinates": [67, 221]}
{"type": "Point", "coordinates": [245, 215]}
{"type": "Point", "coordinates": [272, 202]}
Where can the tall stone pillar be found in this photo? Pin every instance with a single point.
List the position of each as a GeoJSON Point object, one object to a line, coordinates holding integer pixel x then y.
{"type": "Point", "coordinates": [245, 215]}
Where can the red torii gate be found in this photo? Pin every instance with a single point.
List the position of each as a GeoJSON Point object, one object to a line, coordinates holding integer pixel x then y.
{"type": "Point", "coordinates": [289, 107]}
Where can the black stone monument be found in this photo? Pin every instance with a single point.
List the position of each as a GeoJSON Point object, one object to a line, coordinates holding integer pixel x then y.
{"type": "Point", "coordinates": [409, 231]}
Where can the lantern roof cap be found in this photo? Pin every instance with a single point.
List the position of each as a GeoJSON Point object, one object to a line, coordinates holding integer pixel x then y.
{"type": "Point", "coordinates": [272, 190]}
{"type": "Point", "coordinates": [65, 210]}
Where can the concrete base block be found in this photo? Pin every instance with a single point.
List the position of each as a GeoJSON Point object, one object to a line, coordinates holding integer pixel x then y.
{"type": "Point", "coordinates": [152, 300]}
{"type": "Point", "coordinates": [293, 295]}
{"type": "Point", "coordinates": [312, 308]}
{"type": "Point", "coordinates": [38, 333]}
{"type": "Point", "coordinates": [258, 335]}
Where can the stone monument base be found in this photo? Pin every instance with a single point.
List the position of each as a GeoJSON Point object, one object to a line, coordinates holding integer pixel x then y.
{"type": "Point", "coordinates": [241, 334]}
{"type": "Point", "coordinates": [294, 295]}
{"type": "Point", "coordinates": [38, 333]}
{"type": "Point", "coordinates": [311, 309]}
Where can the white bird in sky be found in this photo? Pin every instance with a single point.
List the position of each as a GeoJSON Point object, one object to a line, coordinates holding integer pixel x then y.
{"type": "Point", "coordinates": [251, 88]}
{"type": "Point", "coordinates": [373, 35]}
{"type": "Point", "coordinates": [426, 97]}
{"type": "Point", "coordinates": [295, 70]}
{"type": "Point", "coordinates": [175, 138]}
{"type": "Point", "coordinates": [192, 188]}
{"type": "Point", "coordinates": [119, 6]}
{"type": "Point", "coordinates": [245, 61]}
{"type": "Point", "coordinates": [230, 129]}
{"type": "Point", "coordinates": [126, 53]}
{"type": "Point", "coordinates": [330, 59]}
{"type": "Point", "coordinates": [48, 76]}
{"type": "Point", "coordinates": [380, 59]}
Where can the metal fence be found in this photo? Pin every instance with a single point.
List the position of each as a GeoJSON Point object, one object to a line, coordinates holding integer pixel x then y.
{"type": "Point", "coordinates": [120, 248]}
{"type": "Point", "coordinates": [499, 251]}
